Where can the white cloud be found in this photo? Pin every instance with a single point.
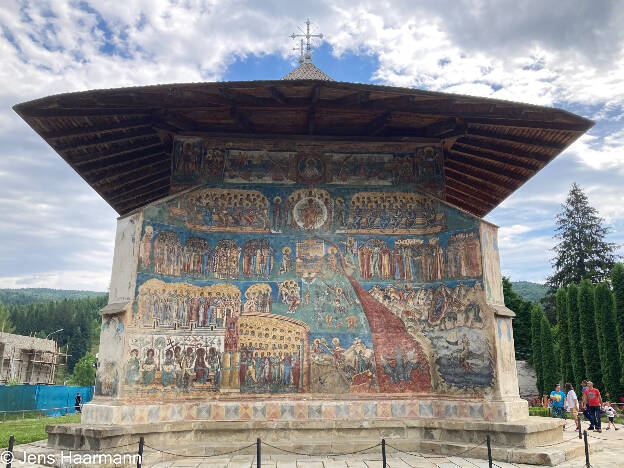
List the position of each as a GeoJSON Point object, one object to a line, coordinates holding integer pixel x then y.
{"type": "Point", "coordinates": [569, 53]}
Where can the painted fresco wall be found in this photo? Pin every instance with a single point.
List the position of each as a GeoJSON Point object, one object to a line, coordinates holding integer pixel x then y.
{"type": "Point", "coordinates": [306, 271]}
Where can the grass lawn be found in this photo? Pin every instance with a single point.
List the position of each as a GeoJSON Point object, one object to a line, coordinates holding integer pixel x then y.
{"type": "Point", "coordinates": [538, 411]}
{"type": "Point", "coordinates": [30, 430]}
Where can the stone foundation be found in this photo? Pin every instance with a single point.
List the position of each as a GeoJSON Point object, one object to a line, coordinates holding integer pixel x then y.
{"type": "Point", "coordinates": [521, 442]}
{"type": "Point", "coordinates": [111, 412]}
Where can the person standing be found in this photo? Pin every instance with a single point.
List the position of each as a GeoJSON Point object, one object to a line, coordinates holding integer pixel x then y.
{"type": "Point", "coordinates": [557, 397]}
{"type": "Point", "coordinates": [592, 400]}
{"type": "Point", "coordinates": [610, 412]}
{"type": "Point", "coordinates": [572, 404]}
{"type": "Point", "coordinates": [78, 403]}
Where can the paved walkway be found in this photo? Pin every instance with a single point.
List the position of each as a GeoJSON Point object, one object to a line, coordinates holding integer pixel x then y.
{"type": "Point", "coordinates": [611, 455]}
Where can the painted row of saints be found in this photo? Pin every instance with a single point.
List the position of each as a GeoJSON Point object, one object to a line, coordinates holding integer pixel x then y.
{"type": "Point", "coordinates": [413, 260]}
{"type": "Point", "coordinates": [196, 161]}
{"type": "Point", "coordinates": [313, 209]}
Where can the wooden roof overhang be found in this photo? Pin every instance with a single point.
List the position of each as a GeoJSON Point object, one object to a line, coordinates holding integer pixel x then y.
{"type": "Point", "coordinates": [119, 140]}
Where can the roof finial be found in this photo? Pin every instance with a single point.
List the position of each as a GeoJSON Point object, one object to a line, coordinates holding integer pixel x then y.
{"type": "Point", "coordinates": [307, 58]}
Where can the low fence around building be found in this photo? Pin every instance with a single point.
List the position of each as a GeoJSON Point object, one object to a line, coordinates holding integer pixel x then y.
{"type": "Point", "coordinates": [49, 400]}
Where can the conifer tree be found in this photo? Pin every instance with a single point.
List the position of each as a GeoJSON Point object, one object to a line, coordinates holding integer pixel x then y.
{"type": "Point", "coordinates": [607, 339]}
{"type": "Point", "coordinates": [5, 320]}
{"type": "Point", "coordinates": [574, 336]}
{"type": "Point", "coordinates": [536, 344]}
{"type": "Point", "coordinates": [522, 322]}
{"type": "Point", "coordinates": [582, 251]}
{"type": "Point", "coordinates": [617, 281]}
{"type": "Point", "coordinates": [550, 362]}
{"type": "Point", "coordinates": [561, 299]}
{"type": "Point", "coordinates": [589, 337]}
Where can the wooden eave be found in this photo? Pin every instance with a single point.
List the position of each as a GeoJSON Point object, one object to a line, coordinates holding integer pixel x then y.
{"type": "Point", "coordinates": [120, 140]}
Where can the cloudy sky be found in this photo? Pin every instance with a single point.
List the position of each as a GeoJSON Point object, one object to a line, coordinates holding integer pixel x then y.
{"type": "Point", "coordinates": [56, 232]}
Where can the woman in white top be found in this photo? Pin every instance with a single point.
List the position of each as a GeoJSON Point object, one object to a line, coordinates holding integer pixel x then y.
{"type": "Point", "coordinates": [571, 403]}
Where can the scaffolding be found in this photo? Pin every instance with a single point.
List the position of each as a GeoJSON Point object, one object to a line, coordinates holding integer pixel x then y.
{"type": "Point", "coordinates": [30, 360]}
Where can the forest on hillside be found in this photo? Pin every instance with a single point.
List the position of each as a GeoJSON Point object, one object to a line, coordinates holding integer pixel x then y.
{"type": "Point", "coordinates": [30, 295]}
{"type": "Point", "coordinates": [529, 291]}
{"type": "Point", "coordinates": [73, 322]}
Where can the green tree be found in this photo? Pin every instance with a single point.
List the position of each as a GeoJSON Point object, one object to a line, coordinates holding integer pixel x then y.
{"type": "Point", "coordinates": [84, 371]}
{"type": "Point", "coordinates": [589, 337]}
{"type": "Point", "coordinates": [582, 251]}
{"type": "Point", "coordinates": [550, 361]}
{"type": "Point", "coordinates": [561, 300]}
{"type": "Point", "coordinates": [522, 322]}
{"type": "Point", "coordinates": [5, 320]}
{"type": "Point", "coordinates": [617, 281]}
{"type": "Point", "coordinates": [574, 336]}
{"type": "Point", "coordinates": [607, 339]}
{"type": "Point", "coordinates": [536, 344]}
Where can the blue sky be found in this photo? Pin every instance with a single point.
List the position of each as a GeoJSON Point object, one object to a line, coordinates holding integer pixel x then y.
{"type": "Point", "coordinates": [57, 232]}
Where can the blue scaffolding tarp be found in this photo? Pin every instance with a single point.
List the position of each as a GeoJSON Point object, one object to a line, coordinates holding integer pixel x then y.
{"type": "Point", "coordinates": [54, 399]}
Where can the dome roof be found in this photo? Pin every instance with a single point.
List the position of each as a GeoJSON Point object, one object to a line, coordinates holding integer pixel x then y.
{"type": "Point", "coordinates": [307, 71]}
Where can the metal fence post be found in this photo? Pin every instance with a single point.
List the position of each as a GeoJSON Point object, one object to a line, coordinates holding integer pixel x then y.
{"type": "Point", "coordinates": [489, 447]}
{"type": "Point", "coordinates": [579, 426]}
{"type": "Point", "coordinates": [383, 452]}
{"type": "Point", "coordinates": [140, 457]}
{"type": "Point", "coordinates": [10, 451]}
{"type": "Point", "coordinates": [587, 464]}
{"type": "Point", "coordinates": [258, 453]}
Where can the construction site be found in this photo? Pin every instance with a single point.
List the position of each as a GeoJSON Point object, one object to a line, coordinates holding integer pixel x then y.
{"type": "Point", "coordinates": [29, 360]}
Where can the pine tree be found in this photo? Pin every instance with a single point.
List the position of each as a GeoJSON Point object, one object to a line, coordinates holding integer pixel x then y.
{"type": "Point", "coordinates": [536, 344]}
{"type": "Point", "coordinates": [582, 251]}
{"type": "Point", "coordinates": [561, 299]}
{"type": "Point", "coordinates": [574, 336]}
{"type": "Point", "coordinates": [522, 322]}
{"type": "Point", "coordinates": [5, 320]}
{"type": "Point", "coordinates": [550, 362]}
{"type": "Point", "coordinates": [607, 339]}
{"type": "Point", "coordinates": [589, 336]}
{"type": "Point", "coordinates": [617, 281]}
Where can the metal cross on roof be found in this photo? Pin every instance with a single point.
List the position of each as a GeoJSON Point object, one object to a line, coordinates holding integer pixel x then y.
{"type": "Point", "coordinates": [307, 58]}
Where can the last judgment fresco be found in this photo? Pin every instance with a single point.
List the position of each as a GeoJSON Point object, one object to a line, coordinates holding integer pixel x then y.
{"type": "Point", "coordinates": [287, 272]}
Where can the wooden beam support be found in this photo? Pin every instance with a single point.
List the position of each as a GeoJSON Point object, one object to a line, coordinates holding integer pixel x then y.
{"type": "Point", "coordinates": [465, 150]}
{"type": "Point", "coordinates": [241, 119]}
{"type": "Point", "coordinates": [442, 127]}
{"type": "Point", "coordinates": [132, 203]}
{"type": "Point", "coordinates": [141, 159]}
{"type": "Point", "coordinates": [468, 189]}
{"type": "Point", "coordinates": [376, 126]}
{"type": "Point", "coordinates": [80, 160]}
{"type": "Point", "coordinates": [511, 139]}
{"type": "Point", "coordinates": [140, 189]}
{"type": "Point", "coordinates": [482, 169]}
{"type": "Point", "coordinates": [315, 95]}
{"type": "Point", "coordinates": [278, 96]}
{"type": "Point", "coordinates": [88, 130]}
{"type": "Point", "coordinates": [522, 123]}
{"type": "Point", "coordinates": [489, 147]}
{"type": "Point", "coordinates": [459, 193]}
{"type": "Point", "coordinates": [459, 172]}
{"type": "Point", "coordinates": [129, 176]}
{"type": "Point", "coordinates": [85, 111]}
{"type": "Point", "coordinates": [310, 120]}
{"type": "Point", "coordinates": [108, 139]}
{"type": "Point", "coordinates": [495, 170]}
{"type": "Point", "coordinates": [466, 206]}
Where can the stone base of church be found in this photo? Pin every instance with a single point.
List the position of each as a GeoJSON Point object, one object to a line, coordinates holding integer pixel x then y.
{"type": "Point", "coordinates": [438, 408]}
{"type": "Point", "coordinates": [520, 441]}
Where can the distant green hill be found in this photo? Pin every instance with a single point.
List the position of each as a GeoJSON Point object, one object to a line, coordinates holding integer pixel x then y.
{"type": "Point", "coordinates": [31, 295]}
{"type": "Point", "coordinates": [529, 291]}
